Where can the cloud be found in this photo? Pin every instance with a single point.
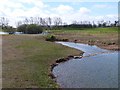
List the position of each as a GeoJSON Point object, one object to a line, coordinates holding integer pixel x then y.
{"type": "Point", "coordinates": [84, 10]}
{"type": "Point", "coordinates": [19, 9]}
{"type": "Point", "coordinates": [63, 9]}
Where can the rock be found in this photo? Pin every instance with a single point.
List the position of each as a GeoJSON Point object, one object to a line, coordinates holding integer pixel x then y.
{"type": "Point", "coordinates": [75, 41]}
{"type": "Point", "coordinates": [70, 56]}
{"type": "Point", "coordinates": [77, 57]}
{"type": "Point", "coordinates": [53, 65]}
{"type": "Point", "coordinates": [51, 75]}
{"type": "Point", "coordinates": [66, 59]}
{"type": "Point", "coordinates": [60, 60]}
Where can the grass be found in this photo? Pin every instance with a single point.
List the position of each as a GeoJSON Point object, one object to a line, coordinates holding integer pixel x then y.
{"type": "Point", "coordinates": [0, 29]}
{"type": "Point", "coordinates": [89, 31]}
{"type": "Point", "coordinates": [27, 59]}
{"type": "Point", "coordinates": [101, 36]}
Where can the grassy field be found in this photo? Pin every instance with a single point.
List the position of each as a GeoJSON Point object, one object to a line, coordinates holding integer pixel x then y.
{"type": "Point", "coordinates": [103, 37]}
{"type": "Point", "coordinates": [27, 58]}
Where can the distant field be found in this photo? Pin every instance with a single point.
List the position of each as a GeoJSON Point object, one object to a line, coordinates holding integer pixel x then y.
{"type": "Point", "coordinates": [103, 37]}
{"type": "Point", "coordinates": [88, 31]}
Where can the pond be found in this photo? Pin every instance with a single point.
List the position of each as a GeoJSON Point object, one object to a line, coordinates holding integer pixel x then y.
{"type": "Point", "coordinates": [3, 32]}
{"type": "Point", "coordinates": [97, 69]}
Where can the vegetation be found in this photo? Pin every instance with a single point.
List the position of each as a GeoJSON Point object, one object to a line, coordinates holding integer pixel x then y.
{"type": "Point", "coordinates": [103, 37]}
{"type": "Point", "coordinates": [55, 23]}
{"type": "Point", "coordinates": [50, 38]}
{"type": "Point", "coordinates": [22, 28]}
{"type": "Point", "coordinates": [9, 29]}
{"type": "Point", "coordinates": [29, 68]}
{"type": "Point", "coordinates": [33, 29]}
{"type": "Point", "coordinates": [27, 60]}
{"type": "Point", "coordinates": [30, 29]}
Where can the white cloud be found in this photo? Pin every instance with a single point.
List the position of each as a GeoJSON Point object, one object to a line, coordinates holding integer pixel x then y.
{"type": "Point", "coordinates": [18, 9]}
{"type": "Point", "coordinates": [84, 10]}
{"type": "Point", "coordinates": [63, 9]}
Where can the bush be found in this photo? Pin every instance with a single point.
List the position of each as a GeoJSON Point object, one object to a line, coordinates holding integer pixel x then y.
{"type": "Point", "coordinates": [50, 38]}
{"type": "Point", "coordinates": [30, 29]}
{"type": "Point", "coordinates": [34, 29]}
{"type": "Point", "coordinates": [9, 29]}
{"type": "Point", "coordinates": [22, 28]}
{"type": "Point", "coordinates": [53, 38]}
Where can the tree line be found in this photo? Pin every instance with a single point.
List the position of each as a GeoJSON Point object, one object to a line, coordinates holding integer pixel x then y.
{"type": "Point", "coordinates": [51, 23]}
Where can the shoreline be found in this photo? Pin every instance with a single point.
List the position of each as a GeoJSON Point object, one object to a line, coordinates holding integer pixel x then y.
{"type": "Point", "coordinates": [112, 47]}
{"type": "Point", "coordinates": [64, 59]}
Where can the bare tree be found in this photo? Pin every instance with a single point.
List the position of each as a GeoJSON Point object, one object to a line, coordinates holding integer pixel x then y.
{"type": "Point", "coordinates": [19, 23]}
{"type": "Point", "coordinates": [44, 23]}
{"type": "Point", "coordinates": [26, 21]}
{"type": "Point", "coordinates": [31, 20]}
{"type": "Point", "coordinates": [74, 22]}
{"type": "Point", "coordinates": [49, 21]}
{"type": "Point", "coordinates": [57, 21]}
{"type": "Point", "coordinates": [65, 23]}
{"type": "Point", "coordinates": [4, 22]}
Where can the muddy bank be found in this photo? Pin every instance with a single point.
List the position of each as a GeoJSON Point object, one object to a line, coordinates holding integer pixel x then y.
{"type": "Point", "coordinates": [61, 60]}
{"type": "Point", "coordinates": [102, 44]}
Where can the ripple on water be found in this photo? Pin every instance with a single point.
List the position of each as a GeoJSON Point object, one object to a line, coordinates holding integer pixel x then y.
{"type": "Point", "coordinates": [99, 71]}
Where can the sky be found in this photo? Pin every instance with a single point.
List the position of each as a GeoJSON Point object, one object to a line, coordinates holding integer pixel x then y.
{"type": "Point", "coordinates": [67, 10]}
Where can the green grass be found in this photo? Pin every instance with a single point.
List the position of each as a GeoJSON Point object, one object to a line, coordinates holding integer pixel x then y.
{"type": "Point", "coordinates": [27, 58]}
{"type": "Point", "coordinates": [30, 65]}
{"type": "Point", "coordinates": [100, 36]}
{"type": "Point", "coordinates": [0, 29]}
{"type": "Point", "coordinates": [90, 30]}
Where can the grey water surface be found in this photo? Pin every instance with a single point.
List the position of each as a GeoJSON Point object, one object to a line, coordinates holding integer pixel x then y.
{"type": "Point", "coordinates": [97, 69]}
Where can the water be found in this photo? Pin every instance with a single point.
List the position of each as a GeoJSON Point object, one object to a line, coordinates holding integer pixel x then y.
{"type": "Point", "coordinates": [91, 71]}
{"type": "Point", "coordinates": [3, 32]}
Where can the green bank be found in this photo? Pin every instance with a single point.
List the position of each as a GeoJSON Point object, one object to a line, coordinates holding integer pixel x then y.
{"type": "Point", "coordinates": [27, 60]}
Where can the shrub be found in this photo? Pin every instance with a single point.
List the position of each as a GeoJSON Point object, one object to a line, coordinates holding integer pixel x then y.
{"type": "Point", "coordinates": [22, 28]}
{"type": "Point", "coordinates": [34, 29]}
{"type": "Point", "coordinates": [50, 38]}
{"type": "Point", "coordinates": [30, 29]}
{"type": "Point", "coordinates": [9, 29]}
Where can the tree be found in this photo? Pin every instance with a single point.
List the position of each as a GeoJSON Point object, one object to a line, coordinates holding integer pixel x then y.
{"type": "Point", "coordinates": [4, 22]}
{"type": "Point", "coordinates": [49, 21]}
{"type": "Point", "coordinates": [22, 28]}
{"type": "Point", "coordinates": [9, 29]}
{"type": "Point", "coordinates": [116, 22]}
{"type": "Point", "coordinates": [31, 20]}
{"type": "Point", "coordinates": [26, 21]}
{"type": "Point", "coordinates": [57, 21]}
{"type": "Point", "coordinates": [104, 24]}
{"type": "Point", "coordinates": [74, 22]}
{"type": "Point", "coordinates": [34, 29]}
{"type": "Point", "coordinates": [19, 23]}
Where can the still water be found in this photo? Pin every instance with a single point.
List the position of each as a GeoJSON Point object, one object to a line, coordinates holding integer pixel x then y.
{"type": "Point", "coordinates": [97, 69]}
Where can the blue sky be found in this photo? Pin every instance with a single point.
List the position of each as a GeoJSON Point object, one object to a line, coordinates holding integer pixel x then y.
{"type": "Point", "coordinates": [16, 10]}
{"type": "Point", "coordinates": [97, 8]}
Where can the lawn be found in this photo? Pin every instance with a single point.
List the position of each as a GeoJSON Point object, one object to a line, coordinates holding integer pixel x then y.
{"type": "Point", "coordinates": [26, 61]}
